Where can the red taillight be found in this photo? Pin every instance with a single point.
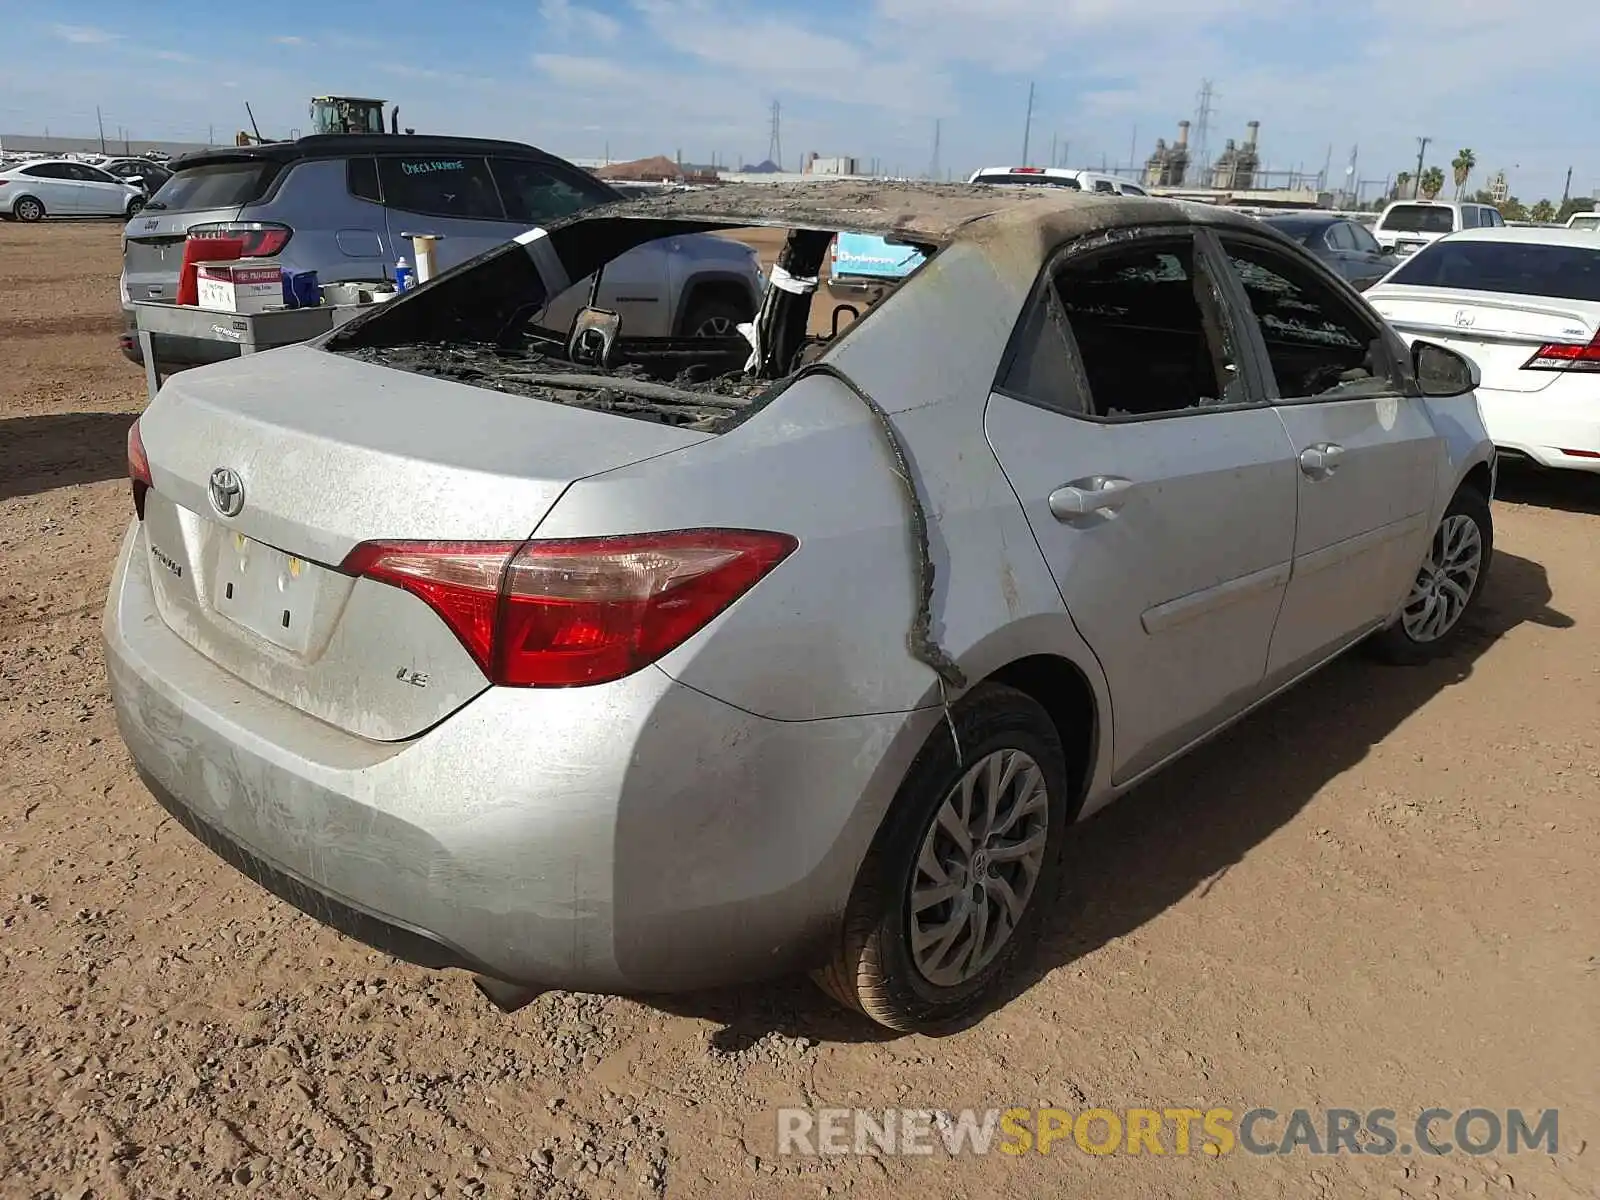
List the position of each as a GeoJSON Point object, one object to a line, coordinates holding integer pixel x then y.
{"type": "Point", "coordinates": [1027, 170]}
{"type": "Point", "coordinates": [582, 611]}
{"type": "Point", "coordinates": [261, 239]}
{"type": "Point", "coordinates": [1566, 356]}
{"type": "Point", "coordinates": [138, 468]}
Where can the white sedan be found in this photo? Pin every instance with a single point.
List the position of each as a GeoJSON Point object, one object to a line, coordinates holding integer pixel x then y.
{"type": "Point", "coordinates": [1524, 304]}
{"type": "Point", "coordinates": [63, 188]}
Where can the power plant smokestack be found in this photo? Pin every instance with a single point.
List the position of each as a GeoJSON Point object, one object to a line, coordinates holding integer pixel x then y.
{"type": "Point", "coordinates": [1183, 133]}
{"type": "Point", "coordinates": [1255, 131]}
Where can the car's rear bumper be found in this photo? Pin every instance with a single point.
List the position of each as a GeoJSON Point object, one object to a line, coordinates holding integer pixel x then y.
{"type": "Point", "coordinates": [636, 836]}
{"type": "Point", "coordinates": [1557, 427]}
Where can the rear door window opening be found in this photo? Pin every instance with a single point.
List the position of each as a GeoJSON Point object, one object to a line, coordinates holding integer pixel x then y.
{"type": "Point", "coordinates": [1135, 331]}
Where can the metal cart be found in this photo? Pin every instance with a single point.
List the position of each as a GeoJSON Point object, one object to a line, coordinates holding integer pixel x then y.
{"type": "Point", "coordinates": [248, 331]}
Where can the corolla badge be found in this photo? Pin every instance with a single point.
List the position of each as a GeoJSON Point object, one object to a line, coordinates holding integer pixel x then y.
{"type": "Point", "coordinates": [227, 491]}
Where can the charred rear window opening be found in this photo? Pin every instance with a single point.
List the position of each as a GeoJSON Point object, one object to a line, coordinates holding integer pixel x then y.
{"type": "Point", "coordinates": [480, 324]}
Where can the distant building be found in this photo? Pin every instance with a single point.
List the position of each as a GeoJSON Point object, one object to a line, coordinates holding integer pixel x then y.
{"type": "Point", "coordinates": [1169, 165]}
{"type": "Point", "coordinates": [1235, 169]}
{"type": "Point", "coordinates": [816, 165]}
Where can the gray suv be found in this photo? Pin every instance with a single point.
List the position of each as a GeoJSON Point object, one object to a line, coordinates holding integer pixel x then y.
{"type": "Point", "coordinates": [341, 205]}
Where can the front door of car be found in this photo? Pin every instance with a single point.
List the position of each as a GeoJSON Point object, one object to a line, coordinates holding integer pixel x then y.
{"type": "Point", "coordinates": [101, 194]}
{"type": "Point", "coordinates": [1370, 262]}
{"type": "Point", "coordinates": [1158, 483]}
{"type": "Point", "coordinates": [1366, 453]}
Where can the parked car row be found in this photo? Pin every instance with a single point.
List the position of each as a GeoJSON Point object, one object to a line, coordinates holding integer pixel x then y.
{"type": "Point", "coordinates": [64, 188]}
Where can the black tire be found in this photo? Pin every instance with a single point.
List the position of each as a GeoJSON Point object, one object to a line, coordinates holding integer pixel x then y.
{"type": "Point", "coordinates": [1398, 646]}
{"type": "Point", "coordinates": [135, 207]}
{"type": "Point", "coordinates": [28, 208]}
{"type": "Point", "coordinates": [714, 318]}
{"type": "Point", "coordinates": [873, 968]}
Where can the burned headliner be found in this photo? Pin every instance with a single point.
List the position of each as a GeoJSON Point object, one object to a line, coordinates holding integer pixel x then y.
{"type": "Point", "coordinates": [920, 214]}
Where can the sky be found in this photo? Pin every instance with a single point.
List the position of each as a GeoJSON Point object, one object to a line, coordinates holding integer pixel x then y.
{"type": "Point", "coordinates": [868, 78]}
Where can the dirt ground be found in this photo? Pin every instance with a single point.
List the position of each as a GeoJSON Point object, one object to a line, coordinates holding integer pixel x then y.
{"type": "Point", "coordinates": [1379, 893]}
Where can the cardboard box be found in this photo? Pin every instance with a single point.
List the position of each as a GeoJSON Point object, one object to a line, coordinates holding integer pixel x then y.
{"type": "Point", "coordinates": [245, 286]}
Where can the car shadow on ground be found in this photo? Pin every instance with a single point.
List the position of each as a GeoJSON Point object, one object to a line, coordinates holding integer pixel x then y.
{"type": "Point", "coordinates": [61, 449]}
{"type": "Point", "coordinates": [1569, 491]}
{"type": "Point", "coordinates": [1193, 822]}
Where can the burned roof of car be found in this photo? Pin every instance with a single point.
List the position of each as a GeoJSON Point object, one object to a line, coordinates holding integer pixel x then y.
{"type": "Point", "coordinates": [922, 214]}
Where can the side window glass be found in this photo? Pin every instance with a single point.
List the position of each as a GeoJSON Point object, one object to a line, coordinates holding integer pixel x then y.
{"type": "Point", "coordinates": [1317, 345]}
{"type": "Point", "coordinates": [1339, 237]}
{"type": "Point", "coordinates": [1105, 185]}
{"type": "Point", "coordinates": [1469, 218]}
{"type": "Point", "coordinates": [361, 177]}
{"type": "Point", "coordinates": [534, 193]}
{"type": "Point", "coordinates": [1149, 331]}
{"type": "Point", "coordinates": [1364, 239]}
{"type": "Point", "coordinates": [1043, 370]}
{"type": "Point", "coordinates": [441, 187]}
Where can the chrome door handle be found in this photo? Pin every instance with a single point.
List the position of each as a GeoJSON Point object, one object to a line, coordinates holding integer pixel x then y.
{"type": "Point", "coordinates": [1321, 460]}
{"type": "Point", "coordinates": [1091, 497]}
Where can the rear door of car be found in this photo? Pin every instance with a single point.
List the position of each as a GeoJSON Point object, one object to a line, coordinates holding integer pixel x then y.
{"type": "Point", "coordinates": [53, 186]}
{"type": "Point", "coordinates": [1366, 451]}
{"type": "Point", "coordinates": [450, 195]}
{"type": "Point", "coordinates": [1157, 481]}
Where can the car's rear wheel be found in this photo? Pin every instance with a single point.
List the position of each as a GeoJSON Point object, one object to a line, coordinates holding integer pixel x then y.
{"type": "Point", "coordinates": [135, 206]}
{"type": "Point", "coordinates": [950, 898]}
{"type": "Point", "coordinates": [1447, 585]}
{"type": "Point", "coordinates": [27, 209]}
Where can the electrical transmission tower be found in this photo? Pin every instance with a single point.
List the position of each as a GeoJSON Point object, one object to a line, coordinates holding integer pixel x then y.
{"type": "Point", "coordinates": [775, 140]}
{"type": "Point", "coordinates": [1202, 129]}
{"type": "Point", "coordinates": [935, 172]}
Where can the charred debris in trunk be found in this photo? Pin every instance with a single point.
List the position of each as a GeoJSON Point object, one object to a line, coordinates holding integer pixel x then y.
{"type": "Point", "coordinates": [477, 326]}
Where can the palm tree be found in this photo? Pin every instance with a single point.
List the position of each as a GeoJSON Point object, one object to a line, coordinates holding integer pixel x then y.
{"type": "Point", "coordinates": [1542, 212]}
{"type": "Point", "coordinates": [1432, 182]}
{"type": "Point", "coordinates": [1462, 165]}
{"type": "Point", "coordinates": [1401, 182]}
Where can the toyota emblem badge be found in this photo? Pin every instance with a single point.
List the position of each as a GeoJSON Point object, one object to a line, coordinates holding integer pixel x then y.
{"type": "Point", "coordinates": [227, 491]}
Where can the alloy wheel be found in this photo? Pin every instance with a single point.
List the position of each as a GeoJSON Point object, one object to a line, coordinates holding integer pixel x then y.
{"type": "Point", "coordinates": [978, 866]}
{"type": "Point", "coordinates": [716, 326]}
{"type": "Point", "coordinates": [1445, 583]}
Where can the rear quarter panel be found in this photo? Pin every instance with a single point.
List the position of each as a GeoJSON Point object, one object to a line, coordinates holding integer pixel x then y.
{"type": "Point", "coordinates": [825, 635]}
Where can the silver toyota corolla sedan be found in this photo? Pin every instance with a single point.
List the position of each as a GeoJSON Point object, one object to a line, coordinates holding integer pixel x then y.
{"type": "Point", "coordinates": [584, 660]}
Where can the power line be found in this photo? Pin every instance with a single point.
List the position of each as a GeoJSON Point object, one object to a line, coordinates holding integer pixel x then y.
{"type": "Point", "coordinates": [1027, 128]}
{"type": "Point", "coordinates": [1202, 128]}
{"type": "Point", "coordinates": [775, 138]}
